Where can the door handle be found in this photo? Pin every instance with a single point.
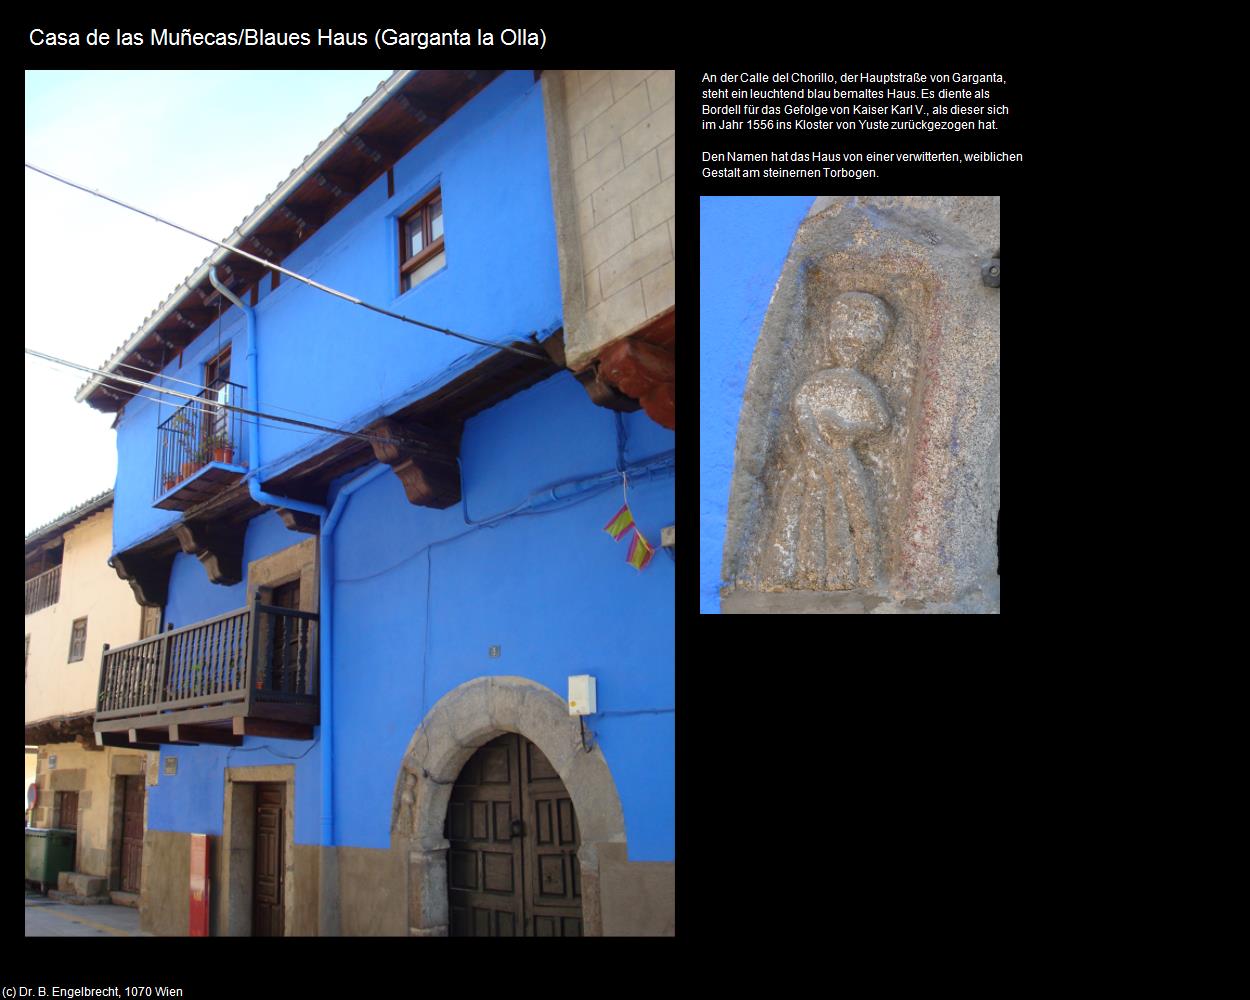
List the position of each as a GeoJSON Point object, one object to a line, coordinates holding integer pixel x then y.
{"type": "Point", "coordinates": [518, 828]}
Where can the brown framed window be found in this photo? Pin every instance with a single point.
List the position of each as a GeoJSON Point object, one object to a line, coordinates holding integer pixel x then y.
{"type": "Point", "coordinates": [216, 424]}
{"type": "Point", "coordinates": [421, 240]}
{"type": "Point", "coordinates": [218, 368]}
{"type": "Point", "coordinates": [78, 640]}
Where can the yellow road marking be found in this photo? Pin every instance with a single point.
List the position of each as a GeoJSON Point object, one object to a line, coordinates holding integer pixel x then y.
{"type": "Point", "coordinates": [88, 923]}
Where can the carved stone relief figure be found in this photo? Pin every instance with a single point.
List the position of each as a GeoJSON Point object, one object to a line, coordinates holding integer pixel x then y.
{"type": "Point", "coordinates": [825, 532]}
{"type": "Point", "coordinates": [866, 472]}
{"type": "Point", "coordinates": [406, 821]}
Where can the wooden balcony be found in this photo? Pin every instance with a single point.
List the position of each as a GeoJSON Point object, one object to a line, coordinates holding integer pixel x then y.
{"type": "Point", "coordinates": [247, 672]}
{"type": "Point", "coordinates": [44, 590]}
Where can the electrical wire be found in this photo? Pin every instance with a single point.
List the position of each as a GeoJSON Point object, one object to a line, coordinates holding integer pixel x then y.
{"type": "Point", "coordinates": [205, 388]}
{"type": "Point", "coordinates": [246, 421]}
{"type": "Point", "coordinates": [638, 711]}
{"type": "Point", "coordinates": [648, 469]}
{"type": "Point", "coordinates": [419, 446]}
{"type": "Point", "coordinates": [291, 274]}
{"type": "Point", "coordinates": [157, 400]}
{"type": "Point", "coordinates": [194, 385]}
{"type": "Point", "coordinates": [266, 746]}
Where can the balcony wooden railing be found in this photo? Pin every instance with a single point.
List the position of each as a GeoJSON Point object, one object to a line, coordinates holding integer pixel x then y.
{"type": "Point", "coordinates": [43, 590]}
{"type": "Point", "coordinates": [237, 662]}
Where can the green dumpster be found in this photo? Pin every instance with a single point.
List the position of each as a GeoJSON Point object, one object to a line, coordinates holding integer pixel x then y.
{"type": "Point", "coordinates": [48, 853]}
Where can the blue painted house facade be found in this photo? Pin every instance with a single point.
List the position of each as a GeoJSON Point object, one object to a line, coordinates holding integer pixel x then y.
{"type": "Point", "coordinates": [372, 608]}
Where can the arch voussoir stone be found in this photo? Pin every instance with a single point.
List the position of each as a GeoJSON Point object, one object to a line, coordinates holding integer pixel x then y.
{"type": "Point", "coordinates": [463, 720]}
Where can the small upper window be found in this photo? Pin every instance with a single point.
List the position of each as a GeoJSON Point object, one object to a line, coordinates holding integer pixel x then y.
{"type": "Point", "coordinates": [78, 640]}
{"type": "Point", "coordinates": [217, 369]}
{"type": "Point", "coordinates": [421, 241]}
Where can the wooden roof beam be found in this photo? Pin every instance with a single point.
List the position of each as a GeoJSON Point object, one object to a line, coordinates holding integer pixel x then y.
{"type": "Point", "coordinates": [339, 185]}
{"type": "Point", "coordinates": [304, 216]}
{"type": "Point", "coordinates": [378, 149]}
{"type": "Point", "coordinates": [421, 110]}
{"type": "Point", "coordinates": [274, 246]}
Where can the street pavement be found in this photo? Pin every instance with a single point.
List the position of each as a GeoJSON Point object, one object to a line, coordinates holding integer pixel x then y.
{"type": "Point", "coordinates": [51, 918]}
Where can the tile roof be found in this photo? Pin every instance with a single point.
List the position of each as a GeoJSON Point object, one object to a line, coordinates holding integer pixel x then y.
{"type": "Point", "coordinates": [64, 522]}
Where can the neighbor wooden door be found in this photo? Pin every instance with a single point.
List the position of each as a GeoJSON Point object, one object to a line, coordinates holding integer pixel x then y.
{"type": "Point", "coordinates": [133, 792]}
{"type": "Point", "coordinates": [267, 887]}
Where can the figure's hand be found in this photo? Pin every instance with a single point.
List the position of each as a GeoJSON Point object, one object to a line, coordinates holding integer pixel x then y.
{"type": "Point", "coordinates": [811, 431]}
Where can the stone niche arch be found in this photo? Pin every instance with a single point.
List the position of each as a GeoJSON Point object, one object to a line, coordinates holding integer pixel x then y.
{"type": "Point", "coordinates": [927, 479]}
{"type": "Point", "coordinates": [463, 720]}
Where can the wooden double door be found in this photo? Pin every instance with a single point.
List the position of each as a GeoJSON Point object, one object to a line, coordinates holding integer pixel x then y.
{"type": "Point", "coordinates": [512, 864]}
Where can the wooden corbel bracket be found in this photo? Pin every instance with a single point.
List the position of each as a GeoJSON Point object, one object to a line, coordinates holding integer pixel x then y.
{"type": "Point", "coordinates": [219, 550]}
{"type": "Point", "coordinates": [425, 461]}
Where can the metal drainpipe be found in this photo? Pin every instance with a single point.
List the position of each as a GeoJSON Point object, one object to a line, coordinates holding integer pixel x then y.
{"type": "Point", "coordinates": [329, 521]}
{"type": "Point", "coordinates": [253, 427]}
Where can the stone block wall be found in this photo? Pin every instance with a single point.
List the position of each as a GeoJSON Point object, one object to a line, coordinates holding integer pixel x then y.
{"type": "Point", "coordinates": [611, 143]}
{"type": "Point", "coordinates": [91, 774]}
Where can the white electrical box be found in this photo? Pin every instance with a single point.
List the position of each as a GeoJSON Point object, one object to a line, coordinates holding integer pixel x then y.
{"type": "Point", "coordinates": [582, 695]}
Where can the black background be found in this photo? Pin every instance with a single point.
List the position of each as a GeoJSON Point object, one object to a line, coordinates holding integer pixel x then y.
{"type": "Point", "coordinates": [877, 794]}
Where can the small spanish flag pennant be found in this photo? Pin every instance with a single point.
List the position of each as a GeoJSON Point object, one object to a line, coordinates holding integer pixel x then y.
{"type": "Point", "coordinates": [640, 552]}
{"type": "Point", "coordinates": [621, 522]}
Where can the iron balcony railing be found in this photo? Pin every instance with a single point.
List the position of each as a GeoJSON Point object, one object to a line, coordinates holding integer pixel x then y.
{"type": "Point", "coordinates": [199, 432]}
{"type": "Point", "coordinates": [44, 590]}
{"type": "Point", "coordinates": [257, 654]}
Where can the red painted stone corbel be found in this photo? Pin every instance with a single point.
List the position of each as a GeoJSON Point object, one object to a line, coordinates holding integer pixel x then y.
{"type": "Point", "coordinates": [644, 371]}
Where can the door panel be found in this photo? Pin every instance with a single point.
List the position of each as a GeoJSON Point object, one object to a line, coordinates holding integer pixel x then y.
{"type": "Point", "coordinates": [267, 888]}
{"type": "Point", "coordinates": [284, 639]}
{"type": "Point", "coordinates": [512, 863]}
{"type": "Point", "coordinates": [67, 819]}
{"type": "Point", "coordinates": [484, 861]}
{"type": "Point", "coordinates": [551, 850]}
{"type": "Point", "coordinates": [132, 831]}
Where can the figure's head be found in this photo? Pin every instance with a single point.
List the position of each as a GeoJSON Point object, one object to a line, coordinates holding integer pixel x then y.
{"type": "Point", "coordinates": [853, 328]}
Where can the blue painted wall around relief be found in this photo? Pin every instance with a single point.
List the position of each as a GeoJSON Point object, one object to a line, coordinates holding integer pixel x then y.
{"type": "Point", "coordinates": [336, 363]}
{"type": "Point", "coordinates": [743, 243]}
{"type": "Point", "coordinates": [421, 595]}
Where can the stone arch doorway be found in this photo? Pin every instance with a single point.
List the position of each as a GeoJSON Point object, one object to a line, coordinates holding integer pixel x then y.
{"type": "Point", "coordinates": [464, 720]}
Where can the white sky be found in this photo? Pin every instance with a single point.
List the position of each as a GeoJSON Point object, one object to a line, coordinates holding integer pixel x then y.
{"type": "Point", "coordinates": [201, 148]}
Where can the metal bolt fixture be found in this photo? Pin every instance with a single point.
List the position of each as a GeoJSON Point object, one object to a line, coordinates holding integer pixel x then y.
{"type": "Point", "coordinates": [989, 272]}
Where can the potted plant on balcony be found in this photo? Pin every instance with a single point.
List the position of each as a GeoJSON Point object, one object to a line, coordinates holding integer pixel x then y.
{"type": "Point", "coordinates": [222, 448]}
{"type": "Point", "coordinates": [181, 427]}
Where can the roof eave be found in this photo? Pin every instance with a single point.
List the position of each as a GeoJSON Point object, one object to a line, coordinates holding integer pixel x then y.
{"type": "Point", "coordinates": [332, 142]}
{"type": "Point", "coordinates": [70, 518]}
